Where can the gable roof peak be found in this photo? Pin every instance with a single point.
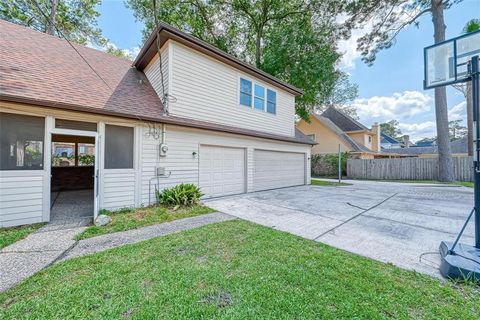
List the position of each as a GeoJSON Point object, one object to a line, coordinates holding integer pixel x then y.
{"type": "Point", "coordinates": [168, 32]}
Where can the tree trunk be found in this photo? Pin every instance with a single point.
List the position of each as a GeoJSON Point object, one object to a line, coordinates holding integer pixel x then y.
{"type": "Point", "coordinates": [445, 162]}
{"type": "Point", "coordinates": [258, 43]}
{"type": "Point", "coordinates": [51, 18]}
{"type": "Point", "coordinates": [469, 98]}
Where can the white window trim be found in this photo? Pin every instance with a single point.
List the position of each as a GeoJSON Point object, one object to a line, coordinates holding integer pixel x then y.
{"type": "Point", "coordinates": [265, 99]}
{"type": "Point", "coordinates": [314, 136]}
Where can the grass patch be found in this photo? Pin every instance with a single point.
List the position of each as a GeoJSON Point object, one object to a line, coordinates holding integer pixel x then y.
{"type": "Point", "coordinates": [463, 184]}
{"type": "Point", "coordinates": [126, 219]}
{"type": "Point", "coordinates": [234, 270]}
{"type": "Point", "coordinates": [13, 234]}
{"type": "Point", "coordinates": [329, 183]}
{"type": "Point", "coordinates": [455, 183]}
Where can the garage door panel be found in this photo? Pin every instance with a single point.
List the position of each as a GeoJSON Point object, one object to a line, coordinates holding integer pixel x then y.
{"type": "Point", "coordinates": [275, 169]}
{"type": "Point", "coordinates": [222, 171]}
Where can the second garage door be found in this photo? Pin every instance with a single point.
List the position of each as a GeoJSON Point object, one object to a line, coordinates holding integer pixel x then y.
{"type": "Point", "coordinates": [222, 171]}
{"type": "Point", "coordinates": [278, 169]}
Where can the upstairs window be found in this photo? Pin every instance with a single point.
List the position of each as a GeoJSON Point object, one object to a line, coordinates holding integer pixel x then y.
{"type": "Point", "coordinates": [271, 101]}
{"type": "Point", "coordinates": [259, 101]}
{"type": "Point", "coordinates": [257, 96]}
{"type": "Point", "coordinates": [245, 92]}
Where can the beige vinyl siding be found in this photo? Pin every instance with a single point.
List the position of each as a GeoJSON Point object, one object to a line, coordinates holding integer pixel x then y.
{"type": "Point", "coordinates": [207, 89]}
{"type": "Point", "coordinates": [118, 189]}
{"type": "Point", "coordinates": [152, 71]}
{"type": "Point", "coordinates": [21, 197]}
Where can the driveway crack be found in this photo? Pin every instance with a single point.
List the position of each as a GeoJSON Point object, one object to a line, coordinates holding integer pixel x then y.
{"type": "Point", "coordinates": [356, 216]}
{"type": "Point", "coordinates": [352, 205]}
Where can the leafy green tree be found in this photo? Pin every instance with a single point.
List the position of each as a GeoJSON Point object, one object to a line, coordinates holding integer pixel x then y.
{"type": "Point", "coordinates": [294, 40]}
{"type": "Point", "coordinates": [388, 18]}
{"type": "Point", "coordinates": [113, 50]}
{"type": "Point", "coordinates": [76, 19]}
{"type": "Point", "coordinates": [432, 139]}
{"type": "Point", "coordinates": [391, 128]}
{"type": "Point", "coordinates": [344, 92]}
{"type": "Point", "coordinates": [456, 130]}
{"type": "Point", "coordinates": [472, 26]}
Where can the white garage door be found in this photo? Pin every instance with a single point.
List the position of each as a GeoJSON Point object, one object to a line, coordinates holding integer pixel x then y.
{"type": "Point", "coordinates": [222, 171]}
{"type": "Point", "coordinates": [278, 169]}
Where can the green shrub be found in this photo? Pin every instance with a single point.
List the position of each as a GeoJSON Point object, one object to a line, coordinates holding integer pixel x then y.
{"type": "Point", "coordinates": [185, 194]}
{"type": "Point", "coordinates": [327, 164]}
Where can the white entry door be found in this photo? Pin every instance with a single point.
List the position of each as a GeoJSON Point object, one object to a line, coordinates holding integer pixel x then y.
{"type": "Point", "coordinates": [222, 171]}
{"type": "Point", "coordinates": [275, 169]}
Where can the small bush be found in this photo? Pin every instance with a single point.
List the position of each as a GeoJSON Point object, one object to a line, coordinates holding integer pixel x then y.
{"type": "Point", "coordinates": [327, 164]}
{"type": "Point", "coordinates": [185, 194]}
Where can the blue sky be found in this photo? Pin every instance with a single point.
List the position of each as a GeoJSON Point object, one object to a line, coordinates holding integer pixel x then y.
{"type": "Point", "coordinates": [390, 89]}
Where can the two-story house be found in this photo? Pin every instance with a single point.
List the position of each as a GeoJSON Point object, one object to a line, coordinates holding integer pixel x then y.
{"type": "Point", "coordinates": [333, 128]}
{"type": "Point", "coordinates": [200, 116]}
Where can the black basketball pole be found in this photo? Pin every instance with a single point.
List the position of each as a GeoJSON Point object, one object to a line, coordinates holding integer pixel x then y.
{"type": "Point", "coordinates": [475, 72]}
{"type": "Point", "coordinates": [459, 260]}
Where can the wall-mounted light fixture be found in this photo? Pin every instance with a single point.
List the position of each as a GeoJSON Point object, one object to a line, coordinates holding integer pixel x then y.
{"type": "Point", "coordinates": [194, 154]}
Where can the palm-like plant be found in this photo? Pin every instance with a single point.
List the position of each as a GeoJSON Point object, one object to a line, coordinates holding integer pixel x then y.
{"type": "Point", "coordinates": [472, 26]}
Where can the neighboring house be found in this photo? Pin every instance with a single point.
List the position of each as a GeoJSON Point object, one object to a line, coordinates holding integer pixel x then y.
{"type": "Point", "coordinates": [387, 142]}
{"type": "Point", "coordinates": [426, 143]}
{"type": "Point", "coordinates": [226, 126]}
{"type": "Point", "coordinates": [333, 128]}
{"type": "Point", "coordinates": [459, 149]}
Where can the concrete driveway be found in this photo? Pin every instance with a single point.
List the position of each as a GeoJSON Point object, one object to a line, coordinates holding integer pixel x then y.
{"type": "Point", "coordinates": [390, 222]}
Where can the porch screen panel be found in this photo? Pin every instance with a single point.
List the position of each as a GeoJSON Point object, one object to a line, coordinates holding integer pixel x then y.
{"type": "Point", "coordinates": [118, 147]}
{"type": "Point", "coordinates": [21, 142]}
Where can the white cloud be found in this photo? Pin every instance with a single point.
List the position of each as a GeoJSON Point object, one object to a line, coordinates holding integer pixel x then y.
{"type": "Point", "coordinates": [399, 106]}
{"type": "Point", "coordinates": [458, 112]}
{"type": "Point", "coordinates": [348, 49]}
{"type": "Point", "coordinates": [133, 52]}
{"type": "Point", "coordinates": [417, 131]}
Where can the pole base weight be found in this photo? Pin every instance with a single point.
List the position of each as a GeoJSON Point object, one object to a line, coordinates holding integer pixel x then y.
{"type": "Point", "coordinates": [463, 263]}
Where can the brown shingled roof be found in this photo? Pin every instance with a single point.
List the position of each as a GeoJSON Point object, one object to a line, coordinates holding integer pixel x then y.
{"type": "Point", "coordinates": [41, 67]}
{"type": "Point", "coordinates": [43, 70]}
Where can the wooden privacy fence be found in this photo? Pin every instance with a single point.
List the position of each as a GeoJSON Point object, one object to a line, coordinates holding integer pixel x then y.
{"type": "Point", "coordinates": [407, 169]}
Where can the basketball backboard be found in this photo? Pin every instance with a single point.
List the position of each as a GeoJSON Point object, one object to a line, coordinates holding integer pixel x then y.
{"type": "Point", "coordinates": [447, 62]}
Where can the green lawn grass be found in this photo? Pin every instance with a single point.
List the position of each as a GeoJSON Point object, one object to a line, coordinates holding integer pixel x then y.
{"type": "Point", "coordinates": [456, 183]}
{"type": "Point", "coordinates": [464, 184]}
{"type": "Point", "coordinates": [329, 183]}
{"type": "Point", "coordinates": [234, 270]}
{"type": "Point", "coordinates": [13, 234]}
{"type": "Point", "coordinates": [126, 219]}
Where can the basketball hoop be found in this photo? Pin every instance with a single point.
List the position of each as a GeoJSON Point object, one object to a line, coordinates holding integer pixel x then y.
{"type": "Point", "coordinates": [446, 63]}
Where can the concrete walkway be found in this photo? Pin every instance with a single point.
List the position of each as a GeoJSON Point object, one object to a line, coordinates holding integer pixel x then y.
{"type": "Point", "coordinates": [55, 242]}
{"type": "Point", "coordinates": [112, 240]}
